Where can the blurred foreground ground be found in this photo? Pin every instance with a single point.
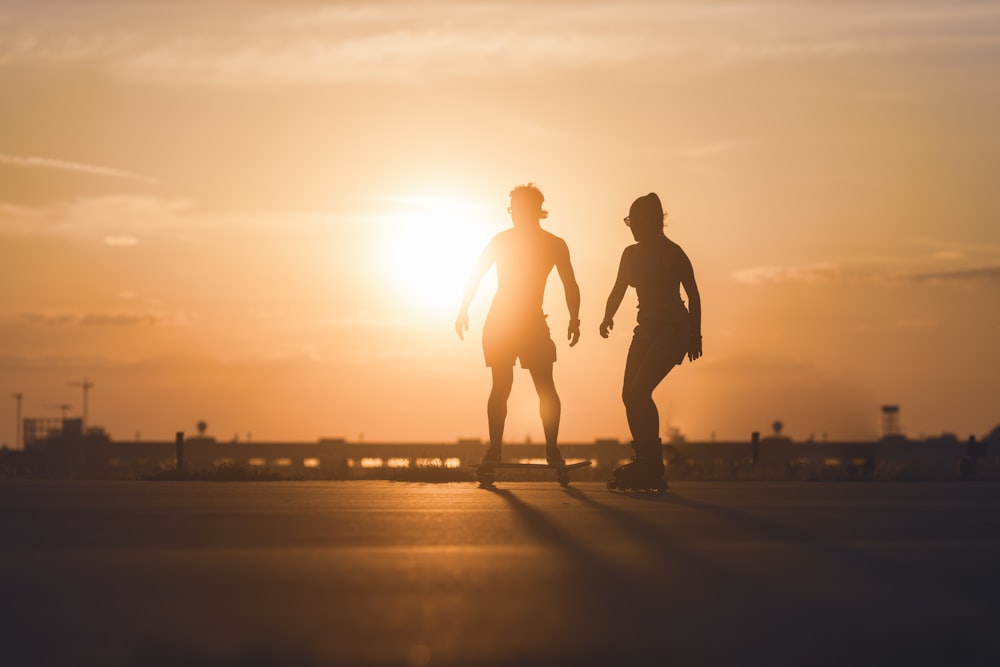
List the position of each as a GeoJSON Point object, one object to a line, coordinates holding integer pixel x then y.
{"type": "Point", "coordinates": [391, 573]}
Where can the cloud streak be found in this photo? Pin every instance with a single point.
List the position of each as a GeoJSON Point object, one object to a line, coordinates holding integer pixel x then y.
{"type": "Point", "coordinates": [115, 220]}
{"type": "Point", "coordinates": [79, 167]}
{"type": "Point", "coordinates": [772, 274]}
{"type": "Point", "coordinates": [407, 41]}
{"type": "Point", "coordinates": [832, 272]}
{"type": "Point", "coordinates": [987, 275]}
{"type": "Point", "coordinates": [119, 319]}
{"type": "Point", "coordinates": [121, 241]}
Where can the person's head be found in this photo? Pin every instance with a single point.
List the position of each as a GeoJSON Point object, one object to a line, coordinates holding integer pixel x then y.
{"type": "Point", "coordinates": [645, 217]}
{"type": "Point", "coordinates": [526, 205]}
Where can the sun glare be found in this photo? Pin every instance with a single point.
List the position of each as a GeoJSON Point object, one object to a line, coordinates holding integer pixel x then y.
{"type": "Point", "coordinates": [430, 246]}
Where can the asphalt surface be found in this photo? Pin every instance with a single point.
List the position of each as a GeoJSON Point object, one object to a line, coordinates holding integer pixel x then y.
{"type": "Point", "coordinates": [384, 573]}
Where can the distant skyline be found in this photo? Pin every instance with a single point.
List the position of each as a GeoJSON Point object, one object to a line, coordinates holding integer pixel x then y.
{"type": "Point", "coordinates": [262, 215]}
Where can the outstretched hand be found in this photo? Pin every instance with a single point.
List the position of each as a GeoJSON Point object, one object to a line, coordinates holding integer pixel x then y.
{"type": "Point", "coordinates": [694, 351]}
{"type": "Point", "coordinates": [462, 324]}
{"type": "Point", "coordinates": [606, 326]}
{"type": "Point", "coordinates": [573, 335]}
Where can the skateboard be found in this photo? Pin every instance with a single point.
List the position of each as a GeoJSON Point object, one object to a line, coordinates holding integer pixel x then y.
{"type": "Point", "coordinates": [658, 487]}
{"type": "Point", "coordinates": [484, 471]}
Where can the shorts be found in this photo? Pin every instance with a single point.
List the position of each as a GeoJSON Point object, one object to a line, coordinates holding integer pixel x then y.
{"type": "Point", "coordinates": [507, 339]}
{"type": "Point", "coordinates": [659, 347]}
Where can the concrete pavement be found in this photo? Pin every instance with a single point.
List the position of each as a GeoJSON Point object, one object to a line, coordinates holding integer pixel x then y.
{"type": "Point", "coordinates": [383, 573]}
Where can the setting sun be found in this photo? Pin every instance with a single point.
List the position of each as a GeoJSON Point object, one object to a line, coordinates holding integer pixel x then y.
{"type": "Point", "coordinates": [429, 246]}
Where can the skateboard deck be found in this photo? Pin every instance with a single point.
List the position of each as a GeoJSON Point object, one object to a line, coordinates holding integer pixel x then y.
{"type": "Point", "coordinates": [505, 464]}
{"type": "Point", "coordinates": [484, 471]}
{"type": "Point", "coordinates": [656, 488]}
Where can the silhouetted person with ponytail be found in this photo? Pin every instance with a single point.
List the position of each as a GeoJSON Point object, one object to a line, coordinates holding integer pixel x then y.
{"type": "Point", "coordinates": [516, 326]}
{"type": "Point", "coordinates": [666, 332]}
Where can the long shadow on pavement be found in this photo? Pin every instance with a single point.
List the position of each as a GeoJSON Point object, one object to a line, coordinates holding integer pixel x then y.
{"type": "Point", "coordinates": [673, 609]}
{"type": "Point", "coordinates": [615, 601]}
{"type": "Point", "coordinates": [805, 609]}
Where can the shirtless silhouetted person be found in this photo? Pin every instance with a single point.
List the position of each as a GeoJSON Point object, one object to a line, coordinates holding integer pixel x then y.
{"type": "Point", "coordinates": [515, 326]}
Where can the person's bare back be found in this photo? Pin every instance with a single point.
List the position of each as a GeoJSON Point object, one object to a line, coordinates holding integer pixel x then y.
{"type": "Point", "coordinates": [524, 259]}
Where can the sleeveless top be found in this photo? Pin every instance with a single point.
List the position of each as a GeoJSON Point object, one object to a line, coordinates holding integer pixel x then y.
{"type": "Point", "coordinates": [655, 270]}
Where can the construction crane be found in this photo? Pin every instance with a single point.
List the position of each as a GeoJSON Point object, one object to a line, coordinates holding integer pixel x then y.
{"type": "Point", "coordinates": [86, 385]}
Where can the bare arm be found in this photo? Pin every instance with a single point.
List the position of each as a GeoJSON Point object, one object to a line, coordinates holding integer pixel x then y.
{"type": "Point", "coordinates": [614, 299]}
{"type": "Point", "coordinates": [483, 265]}
{"type": "Point", "coordinates": [572, 290]}
{"type": "Point", "coordinates": [694, 309]}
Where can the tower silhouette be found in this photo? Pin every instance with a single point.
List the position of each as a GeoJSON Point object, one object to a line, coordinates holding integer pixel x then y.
{"type": "Point", "coordinates": [890, 421]}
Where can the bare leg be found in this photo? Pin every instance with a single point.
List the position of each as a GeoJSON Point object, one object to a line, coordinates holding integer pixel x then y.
{"type": "Point", "coordinates": [647, 364]}
{"type": "Point", "coordinates": [550, 407]}
{"type": "Point", "coordinates": [496, 406]}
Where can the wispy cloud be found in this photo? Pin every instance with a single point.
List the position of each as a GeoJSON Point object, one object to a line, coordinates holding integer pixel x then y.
{"type": "Point", "coordinates": [125, 221]}
{"type": "Point", "coordinates": [407, 41]}
{"type": "Point", "coordinates": [50, 319]}
{"type": "Point", "coordinates": [987, 275]}
{"type": "Point", "coordinates": [119, 319]}
{"type": "Point", "coordinates": [869, 273]}
{"type": "Point", "coordinates": [65, 165]}
{"type": "Point", "coordinates": [910, 260]}
{"type": "Point", "coordinates": [821, 272]}
{"type": "Point", "coordinates": [116, 220]}
{"type": "Point", "coordinates": [121, 241]}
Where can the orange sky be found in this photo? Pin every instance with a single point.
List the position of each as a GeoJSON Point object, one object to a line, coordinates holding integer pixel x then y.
{"type": "Point", "coordinates": [262, 214]}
